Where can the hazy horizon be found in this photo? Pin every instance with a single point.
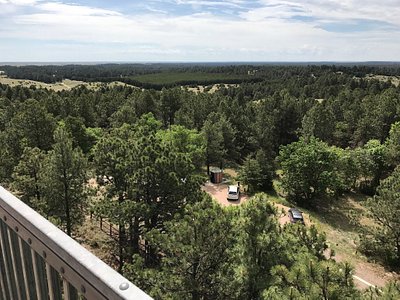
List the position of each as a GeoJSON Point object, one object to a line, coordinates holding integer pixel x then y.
{"type": "Point", "coordinates": [60, 63]}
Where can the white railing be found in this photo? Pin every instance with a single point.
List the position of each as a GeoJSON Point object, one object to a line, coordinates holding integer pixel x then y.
{"type": "Point", "coordinates": [39, 261]}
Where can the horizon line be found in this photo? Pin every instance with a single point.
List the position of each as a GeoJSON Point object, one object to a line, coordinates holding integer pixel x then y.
{"type": "Point", "coordinates": [100, 62]}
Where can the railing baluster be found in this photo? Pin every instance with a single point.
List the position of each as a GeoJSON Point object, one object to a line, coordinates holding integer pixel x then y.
{"type": "Point", "coordinates": [3, 290]}
{"type": "Point", "coordinates": [55, 277]}
{"type": "Point", "coordinates": [73, 292]}
{"type": "Point", "coordinates": [14, 263]}
{"type": "Point", "coordinates": [24, 266]}
{"type": "Point", "coordinates": [5, 251]}
{"type": "Point", "coordinates": [30, 270]}
{"type": "Point", "coordinates": [53, 283]}
{"type": "Point", "coordinates": [50, 281]}
{"type": "Point", "coordinates": [67, 292]}
{"type": "Point", "coordinates": [42, 273]}
{"type": "Point", "coordinates": [70, 293]}
{"type": "Point", "coordinates": [36, 274]}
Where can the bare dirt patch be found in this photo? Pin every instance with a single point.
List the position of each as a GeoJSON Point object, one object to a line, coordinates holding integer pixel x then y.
{"type": "Point", "coordinates": [283, 213]}
{"type": "Point", "coordinates": [219, 193]}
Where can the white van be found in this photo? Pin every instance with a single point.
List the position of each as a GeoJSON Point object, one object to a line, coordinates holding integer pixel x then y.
{"type": "Point", "coordinates": [233, 192]}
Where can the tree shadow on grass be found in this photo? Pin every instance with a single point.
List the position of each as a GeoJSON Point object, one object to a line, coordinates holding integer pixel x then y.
{"type": "Point", "coordinates": [278, 198]}
{"type": "Point", "coordinates": [342, 213]}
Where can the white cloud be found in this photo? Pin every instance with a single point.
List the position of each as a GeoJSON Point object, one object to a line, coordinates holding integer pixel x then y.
{"type": "Point", "coordinates": [19, 2]}
{"type": "Point", "coordinates": [68, 31]}
{"type": "Point", "coordinates": [199, 3]}
{"type": "Point", "coordinates": [74, 10]}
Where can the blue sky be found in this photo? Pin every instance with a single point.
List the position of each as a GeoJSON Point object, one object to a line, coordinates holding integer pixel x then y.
{"type": "Point", "coordinates": [199, 30]}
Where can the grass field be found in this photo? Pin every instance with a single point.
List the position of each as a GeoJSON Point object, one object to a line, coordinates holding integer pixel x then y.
{"type": "Point", "coordinates": [176, 77]}
{"type": "Point", "coordinates": [394, 79]}
{"type": "Point", "coordinates": [65, 85]}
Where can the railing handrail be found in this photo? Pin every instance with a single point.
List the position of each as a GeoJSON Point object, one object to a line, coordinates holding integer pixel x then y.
{"type": "Point", "coordinates": [90, 275]}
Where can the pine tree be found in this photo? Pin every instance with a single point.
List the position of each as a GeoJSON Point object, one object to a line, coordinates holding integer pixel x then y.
{"type": "Point", "coordinates": [259, 245]}
{"type": "Point", "coordinates": [26, 177]}
{"type": "Point", "coordinates": [393, 145]}
{"type": "Point", "coordinates": [149, 181]}
{"type": "Point", "coordinates": [309, 278]}
{"type": "Point", "coordinates": [113, 155]}
{"type": "Point", "coordinates": [62, 180]}
{"type": "Point", "coordinates": [215, 140]}
{"type": "Point", "coordinates": [257, 173]}
{"type": "Point", "coordinates": [383, 240]}
{"type": "Point", "coordinates": [196, 254]}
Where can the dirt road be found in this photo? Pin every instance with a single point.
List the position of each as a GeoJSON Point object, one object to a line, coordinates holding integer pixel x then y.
{"type": "Point", "coordinates": [366, 274]}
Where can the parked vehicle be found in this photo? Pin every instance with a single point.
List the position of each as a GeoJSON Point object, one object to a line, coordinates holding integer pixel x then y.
{"type": "Point", "coordinates": [295, 215]}
{"type": "Point", "coordinates": [233, 192]}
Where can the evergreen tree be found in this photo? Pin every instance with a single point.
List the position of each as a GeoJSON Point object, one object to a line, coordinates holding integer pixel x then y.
{"type": "Point", "coordinates": [383, 240]}
{"type": "Point", "coordinates": [186, 141]}
{"type": "Point", "coordinates": [164, 179]}
{"type": "Point", "coordinates": [62, 180]}
{"type": "Point", "coordinates": [196, 254]}
{"type": "Point", "coordinates": [259, 245]}
{"type": "Point", "coordinates": [215, 150]}
{"type": "Point", "coordinates": [319, 122]}
{"type": "Point", "coordinates": [393, 145]}
{"type": "Point", "coordinates": [150, 180]}
{"type": "Point", "coordinates": [34, 124]}
{"type": "Point", "coordinates": [391, 291]}
{"type": "Point", "coordinates": [309, 278]}
{"type": "Point", "coordinates": [113, 157]}
{"type": "Point", "coordinates": [26, 179]}
{"type": "Point", "coordinates": [78, 130]}
{"type": "Point", "coordinates": [170, 103]}
{"type": "Point", "coordinates": [257, 173]}
{"type": "Point", "coordinates": [372, 161]}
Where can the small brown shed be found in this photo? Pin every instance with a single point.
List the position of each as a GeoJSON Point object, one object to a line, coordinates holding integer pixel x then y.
{"type": "Point", "coordinates": [216, 175]}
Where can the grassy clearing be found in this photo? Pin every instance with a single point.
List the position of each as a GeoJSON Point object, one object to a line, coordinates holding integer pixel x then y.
{"type": "Point", "coordinates": [159, 79]}
{"type": "Point", "coordinates": [394, 79]}
{"type": "Point", "coordinates": [337, 219]}
{"type": "Point", "coordinates": [65, 85]}
{"type": "Point", "coordinates": [97, 241]}
{"type": "Point", "coordinates": [341, 220]}
{"type": "Point", "coordinates": [60, 86]}
{"type": "Point", "coordinates": [211, 89]}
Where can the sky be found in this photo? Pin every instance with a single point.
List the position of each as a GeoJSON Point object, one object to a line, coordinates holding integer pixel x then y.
{"type": "Point", "coordinates": [199, 30]}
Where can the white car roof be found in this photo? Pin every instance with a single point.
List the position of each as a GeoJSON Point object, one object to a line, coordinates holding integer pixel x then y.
{"type": "Point", "coordinates": [233, 188]}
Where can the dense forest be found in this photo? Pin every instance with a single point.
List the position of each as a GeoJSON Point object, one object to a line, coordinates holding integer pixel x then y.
{"type": "Point", "coordinates": [319, 131]}
{"type": "Point", "coordinates": [157, 75]}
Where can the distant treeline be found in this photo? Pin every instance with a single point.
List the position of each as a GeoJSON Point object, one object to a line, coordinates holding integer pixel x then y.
{"type": "Point", "coordinates": [233, 74]}
{"type": "Point", "coordinates": [127, 73]}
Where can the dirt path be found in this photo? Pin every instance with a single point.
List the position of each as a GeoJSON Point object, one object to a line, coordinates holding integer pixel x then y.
{"type": "Point", "coordinates": [366, 274]}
